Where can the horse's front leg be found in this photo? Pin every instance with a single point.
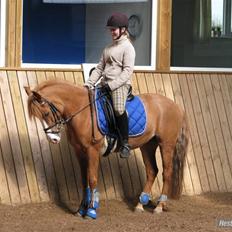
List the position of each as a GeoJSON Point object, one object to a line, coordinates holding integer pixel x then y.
{"type": "Point", "coordinates": [83, 164]}
{"type": "Point", "coordinates": [92, 172]}
{"type": "Point", "coordinates": [86, 195]}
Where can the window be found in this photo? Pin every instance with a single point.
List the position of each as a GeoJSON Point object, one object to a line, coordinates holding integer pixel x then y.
{"type": "Point", "coordinates": [2, 32]}
{"type": "Point", "coordinates": [201, 34]}
{"type": "Point", "coordinates": [92, 1]}
{"type": "Point", "coordinates": [221, 19]}
{"type": "Point", "coordinates": [70, 33]}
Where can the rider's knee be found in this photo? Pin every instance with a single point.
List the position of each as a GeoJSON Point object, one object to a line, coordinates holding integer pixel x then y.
{"type": "Point", "coordinates": [119, 112]}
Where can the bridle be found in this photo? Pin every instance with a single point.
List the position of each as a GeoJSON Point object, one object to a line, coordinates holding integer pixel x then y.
{"type": "Point", "coordinates": [59, 121]}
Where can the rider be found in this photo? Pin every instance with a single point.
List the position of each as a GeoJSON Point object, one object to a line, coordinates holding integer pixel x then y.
{"type": "Point", "coordinates": [116, 67]}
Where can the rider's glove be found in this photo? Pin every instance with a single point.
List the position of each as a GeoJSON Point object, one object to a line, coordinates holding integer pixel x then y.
{"type": "Point", "coordinates": [105, 88]}
{"type": "Point", "coordinates": [88, 86]}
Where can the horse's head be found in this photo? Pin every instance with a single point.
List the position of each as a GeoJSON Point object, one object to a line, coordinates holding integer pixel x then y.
{"type": "Point", "coordinates": [47, 113]}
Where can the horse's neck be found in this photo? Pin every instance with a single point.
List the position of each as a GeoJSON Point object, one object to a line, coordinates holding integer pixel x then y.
{"type": "Point", "coordinates": [69, 92]}
{"type": "Point", "coordinates": [73, 98]}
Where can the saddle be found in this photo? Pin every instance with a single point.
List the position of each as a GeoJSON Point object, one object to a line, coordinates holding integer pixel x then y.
{"type": "Point", "coordinates": [113, 132]}
{"type": "Point", "coordinates": [106, 118]}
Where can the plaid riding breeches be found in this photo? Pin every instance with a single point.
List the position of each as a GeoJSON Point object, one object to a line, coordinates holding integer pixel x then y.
{"type": "Point", "coordinates": [119, 97]}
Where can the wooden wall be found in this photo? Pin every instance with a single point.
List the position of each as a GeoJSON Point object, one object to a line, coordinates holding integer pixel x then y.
{"type": "Point", "coordinates": [32, 170]}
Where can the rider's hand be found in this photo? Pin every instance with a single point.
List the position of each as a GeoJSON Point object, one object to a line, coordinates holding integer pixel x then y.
{"type": "Point", "coordinates": [90, 87]}
{"type": "Point", "coordinates": [105, 88]}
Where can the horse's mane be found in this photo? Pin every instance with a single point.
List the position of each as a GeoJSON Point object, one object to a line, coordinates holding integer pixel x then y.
{"type": "Point", "coordinates": [32, 109]}
{"type": "Point", "coordinates": [49, 83]}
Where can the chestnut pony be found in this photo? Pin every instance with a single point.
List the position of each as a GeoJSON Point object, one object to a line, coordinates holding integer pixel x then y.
{"type": "Point", "coordinates": [56, 103]}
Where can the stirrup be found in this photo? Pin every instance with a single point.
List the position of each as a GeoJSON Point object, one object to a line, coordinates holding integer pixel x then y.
{"type": "Point", "coordinates": [125, 150]}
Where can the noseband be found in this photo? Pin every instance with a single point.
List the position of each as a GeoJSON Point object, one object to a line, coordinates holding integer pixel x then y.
{"type": "Point", "coordinates": [58, 120]}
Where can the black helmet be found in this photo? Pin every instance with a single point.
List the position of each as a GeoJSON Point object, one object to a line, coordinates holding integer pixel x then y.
{"type": "Point", "coordinates": [117, 20]}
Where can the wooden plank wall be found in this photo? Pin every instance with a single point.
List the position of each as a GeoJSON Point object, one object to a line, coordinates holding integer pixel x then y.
{"type": "Point", "coordinates": [32, 170]}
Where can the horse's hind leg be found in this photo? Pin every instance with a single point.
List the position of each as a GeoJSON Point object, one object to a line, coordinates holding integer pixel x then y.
{"type": "Point", "coordinates": [148, 153]}
{"type": "Point", "coordinates": [167, 153]}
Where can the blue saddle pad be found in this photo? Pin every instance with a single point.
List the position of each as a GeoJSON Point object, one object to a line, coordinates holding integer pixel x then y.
{"type": "Point", "coordinates": [136, 115]}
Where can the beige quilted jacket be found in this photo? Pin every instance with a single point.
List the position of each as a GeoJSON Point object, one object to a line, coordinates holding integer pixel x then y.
{"type": "Point", "coordinates": [116, 64]}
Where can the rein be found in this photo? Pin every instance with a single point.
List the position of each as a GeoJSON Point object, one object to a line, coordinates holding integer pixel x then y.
{"type": "Point", "coordinates": [60, 121]}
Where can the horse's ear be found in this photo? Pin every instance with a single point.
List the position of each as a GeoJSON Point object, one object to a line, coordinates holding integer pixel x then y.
{"type": "Point", "coordinates": [37, 97]}
{"type": "Point", "coordinates": [28, 90]}
{"type": "Point", "coordinates": [30, 93]}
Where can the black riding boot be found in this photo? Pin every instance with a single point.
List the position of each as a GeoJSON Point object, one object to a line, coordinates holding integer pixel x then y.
{"type": "Point", "coordinates": [122, 123]}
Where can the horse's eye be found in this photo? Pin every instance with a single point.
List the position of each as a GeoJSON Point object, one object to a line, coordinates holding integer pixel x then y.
{"type": "Point", "coordinates": [46, 114]}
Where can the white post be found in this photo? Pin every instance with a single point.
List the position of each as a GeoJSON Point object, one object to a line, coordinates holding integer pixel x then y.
{"type": "Point", "coordinates": [2, 32]}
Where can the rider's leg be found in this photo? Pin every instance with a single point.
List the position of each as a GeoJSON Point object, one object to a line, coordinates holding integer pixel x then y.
{"type": "Point", "coordinates": [119, 97]}
{"type": "Point", "coordinates": [122, 122]}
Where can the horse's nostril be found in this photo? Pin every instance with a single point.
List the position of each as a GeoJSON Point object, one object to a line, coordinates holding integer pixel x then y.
{"type": "Point", "coordinates": [53, 138]}
{"type": "Point", "coordinates": [54, 141]}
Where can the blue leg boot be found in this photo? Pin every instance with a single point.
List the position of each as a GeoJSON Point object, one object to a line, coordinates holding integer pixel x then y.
{"type": "Point", "coordinates": [144, 198]}
{"type": "Point", "coordinates": [92, 211]}
{"type": "Point", "coordinates": [82, 211]}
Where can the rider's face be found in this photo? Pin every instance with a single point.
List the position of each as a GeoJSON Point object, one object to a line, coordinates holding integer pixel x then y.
{"type": "Point", "coordinates": [115, 32]}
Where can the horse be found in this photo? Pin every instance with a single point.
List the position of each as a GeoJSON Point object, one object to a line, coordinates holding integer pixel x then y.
{"type": "Point", "coordinates": [57, 103]}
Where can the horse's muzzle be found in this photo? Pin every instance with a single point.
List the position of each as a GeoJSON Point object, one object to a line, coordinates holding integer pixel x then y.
{"type": "Point", "coordinates": [53, 138]}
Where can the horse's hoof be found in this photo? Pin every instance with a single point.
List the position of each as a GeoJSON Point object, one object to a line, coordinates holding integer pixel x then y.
{"type": "Point", "coordinates": [158, 209]}
{"type": "Point", "coordinates": [79, 214]}
{"type": "Point", "coordinates": [139, 208]}
{"type": "Point", "coordinates": [161, 207]}
{"type": "Point", "coordinates": [88, 218]}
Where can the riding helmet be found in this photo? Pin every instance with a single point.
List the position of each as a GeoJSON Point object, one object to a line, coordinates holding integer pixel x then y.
{"type": "Point", "coordinates": [117, 20]}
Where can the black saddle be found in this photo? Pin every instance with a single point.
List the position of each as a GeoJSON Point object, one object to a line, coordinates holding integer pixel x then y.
{"type": "Point", "coordinates": [113, 136]}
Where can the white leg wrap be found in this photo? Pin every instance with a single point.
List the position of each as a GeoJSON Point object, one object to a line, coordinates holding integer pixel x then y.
{"type": "Point", "coordinates": [163, 198]}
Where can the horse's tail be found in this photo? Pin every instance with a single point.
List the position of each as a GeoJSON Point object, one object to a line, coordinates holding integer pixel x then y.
{"type": "Point", "coordinates": [180, 152]}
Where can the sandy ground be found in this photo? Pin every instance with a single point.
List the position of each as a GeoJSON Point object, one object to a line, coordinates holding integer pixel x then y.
{"type": "Point", "coordinates": [196, 213]}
